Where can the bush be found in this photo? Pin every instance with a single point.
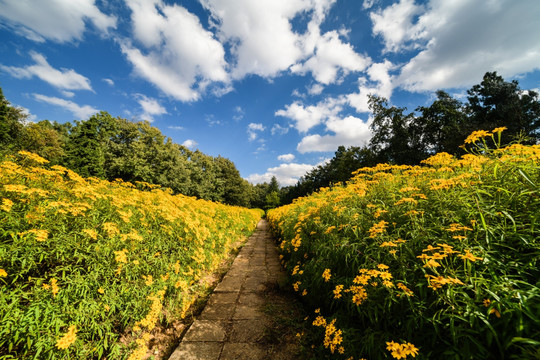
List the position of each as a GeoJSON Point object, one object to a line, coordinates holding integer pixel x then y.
{"type": "Point", "coordinates": [439, 261]}
{"type": "Point", "coordinates": [86, 261]}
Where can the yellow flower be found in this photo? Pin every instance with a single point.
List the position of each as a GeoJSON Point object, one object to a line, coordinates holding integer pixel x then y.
{"type": "Point", "coordinates": [6, 205]}
{"type": "Point", "coordinates": [432, 263]}
{"type": "Point", "coordinates": [469, 256]}
{"type": "Point", "coordinates": [476, 135]}
{"type": "Point", "coordinates": [91, 233]}
{"type": "Point", "coordinates": [496, 312]}
{"type": "Point", "coordinates": [148, 280]}
{"type": "Point", "coordinates": [69, 338]}
{"type": "Point", "coordinates": [337, 291]}
{"type": "Point", "coordinates": [319, 321]}
{"type": "Point", "coordinates": [329, 230]}
{"type": "Point", "coordinates": [326, 275]}
{"type": "Point", "coordinates": [499, 129]}
{"type": "Point", "coordinates": [304, 293]}
{"type": "Point", "coordinates": [121, 256]}
{"type": "Point", "coordinates": [33, 157]}
{"type": "Point", "coordinates": [54, 287]}
{"type": "Point", "coordinates": [101, 291]}
{"type": "Point", "coordinates": [382, 267]}
{"type": "Point", "coordinates": [401, 351]}
{"type": "Point", "coordinates": [3, 273]}
{"type": "Point", "coordinates": [486, 302]}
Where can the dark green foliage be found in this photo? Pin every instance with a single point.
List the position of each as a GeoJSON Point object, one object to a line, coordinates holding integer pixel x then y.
{"type": "Point", "coordinates": [496, 103]}
{"type": "Point", "coordinates": [87, 145]}
{"type": "Point", "coordinates": [11, 123]}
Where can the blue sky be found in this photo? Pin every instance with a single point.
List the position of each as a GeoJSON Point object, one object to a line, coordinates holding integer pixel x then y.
{"type": "Point", "coordinates": [274, 85]}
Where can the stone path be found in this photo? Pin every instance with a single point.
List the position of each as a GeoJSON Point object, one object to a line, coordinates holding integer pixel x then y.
{"type": "Point", "coordinates": [237, 322]}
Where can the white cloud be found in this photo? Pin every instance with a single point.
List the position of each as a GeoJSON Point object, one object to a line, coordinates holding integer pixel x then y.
{"type": "Point", "coordinates": [286, 174]}
{"type": "Point", "coordinates": [286, 157]}
{"type": "Point", "coordinates": [307, 117]}
{"type": "Point", "coordinates": [350, 131]}
{"type": "Point", "coordinates": [238, 113]}
{"type": "Point", "coordinates": [367, 4]}
{"type": "Point", "coordinates": [330, 56]}
{"type": "Point", "coordinates": [260, 32]}
{"type": "Point", "coordinates": [109, 81]}
{"type": "Point", "coordinates": [190, 144]}
{"type": "Point", "coordinates": [65, 79]}
{"type": "Point", "coordinates": [252, 130]}
{"type": "Point", "coordinates": [150, 107]}
{"type": "Point", "coordinates": [394, 24]}
{"type": "Point", "coordinates": [175, 127]}
{"type": "Point", "coordinates": [316, 89]}
{"type": "Point", "coordinates": [458, 41]}
{"type": "Point", "coordinates": [180, 57]}
{"type": "Point", "coordinates": [381, 85]}
{"type": "Point", "coordinates": [81, 112]}
{"type": "Point", "coordinates": [57, 20]}
{"type": "Point", "coordinates": [278, 129]}
{"type": "Point", "coordinates": [68, 94]}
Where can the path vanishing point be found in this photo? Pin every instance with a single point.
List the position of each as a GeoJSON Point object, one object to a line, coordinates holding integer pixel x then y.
{"type": "Point", "coordinates": [239, 320]}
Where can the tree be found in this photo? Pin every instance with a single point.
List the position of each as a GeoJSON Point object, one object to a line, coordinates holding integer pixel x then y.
{"type": "Point", "coordinates": [11, 123]}
{"type": "Point", "coordinates": [496, 103]}
{"type": "Point", "coordinates": [441, 126]}
{"type": "Point", "coordinates": [394, 139]}
{"type": "Point", "coordinates": [88, 143]}
{"type": "Point", "coordinates": [43, 139]}
{"type": "Point", "coordinates": [235, 190]}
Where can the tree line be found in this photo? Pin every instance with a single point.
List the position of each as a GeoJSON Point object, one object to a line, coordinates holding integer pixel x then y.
{"type": "Point", "coordinates": [112, 148]}
{"type": "Point", "coordinates": [407, 138]}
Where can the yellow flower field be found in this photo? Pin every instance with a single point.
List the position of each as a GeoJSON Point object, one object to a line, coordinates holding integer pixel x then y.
{"type": "Point", "coordinates": [440, 261]}
{"type": "Point", "coordinates": [85, 261]}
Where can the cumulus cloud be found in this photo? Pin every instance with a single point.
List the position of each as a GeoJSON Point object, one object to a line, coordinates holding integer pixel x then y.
{"type": "Point", "coordinates": [307, 117]}
{"type": "Point", "coordinates": [65, 79]}
{"type": "Point", "coordinates": [80, 112]}
{"type": "Point", "coordinates": [286, 174]}
{"type": "Point", "coordinates": [395, 24]}
{"type": "Point", "coordinates": [286, 157]}
{"type": "Point", "coordinates": [58, 20]}
{"type": "Point", "coordinates": [316, 89]}
{"type": "Point", "coordinates": [190, 144]}
{"type": "Point", "coordinates": [256, 29]}
{"type": "Point", "coordinates": [380, 84]}
{"type": "Point", "coordinates": [109, 81]}
{"type": "Point", "coordinates": [330, 56]}
{"type": "Point", "coordinates": [253, 129]}
{"type": "Point", "coordinates": [150, 107]}
{"type": "Point", "coordinates": [458, 41]}
{"type": "Point", "coordinates": [350, 131]}
{"type": "Point", "coordinates": [178, 55]}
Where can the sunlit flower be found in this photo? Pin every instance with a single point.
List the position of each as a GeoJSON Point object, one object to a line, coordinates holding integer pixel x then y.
{"type": "Point", "coordinates": [69, 338]}
{"type": "Point", "coordinates": [3, 273]}
{"type": "Point", "coordinates": [469, 256]}
{"type": "Point", "coordinates": [476, 135]}
{"type": "Point", "coordinates": [6, 205]}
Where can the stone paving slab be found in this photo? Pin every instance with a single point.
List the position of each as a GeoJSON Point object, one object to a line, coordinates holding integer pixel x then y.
{"type": "Point", "coordinates": [232, 325]}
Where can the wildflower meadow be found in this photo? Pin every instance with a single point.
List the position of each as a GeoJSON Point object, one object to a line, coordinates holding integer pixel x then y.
{"type": "Point", "coordinates": [438, 261]}
{"type": "Point", "coordinates": [86, 262]}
